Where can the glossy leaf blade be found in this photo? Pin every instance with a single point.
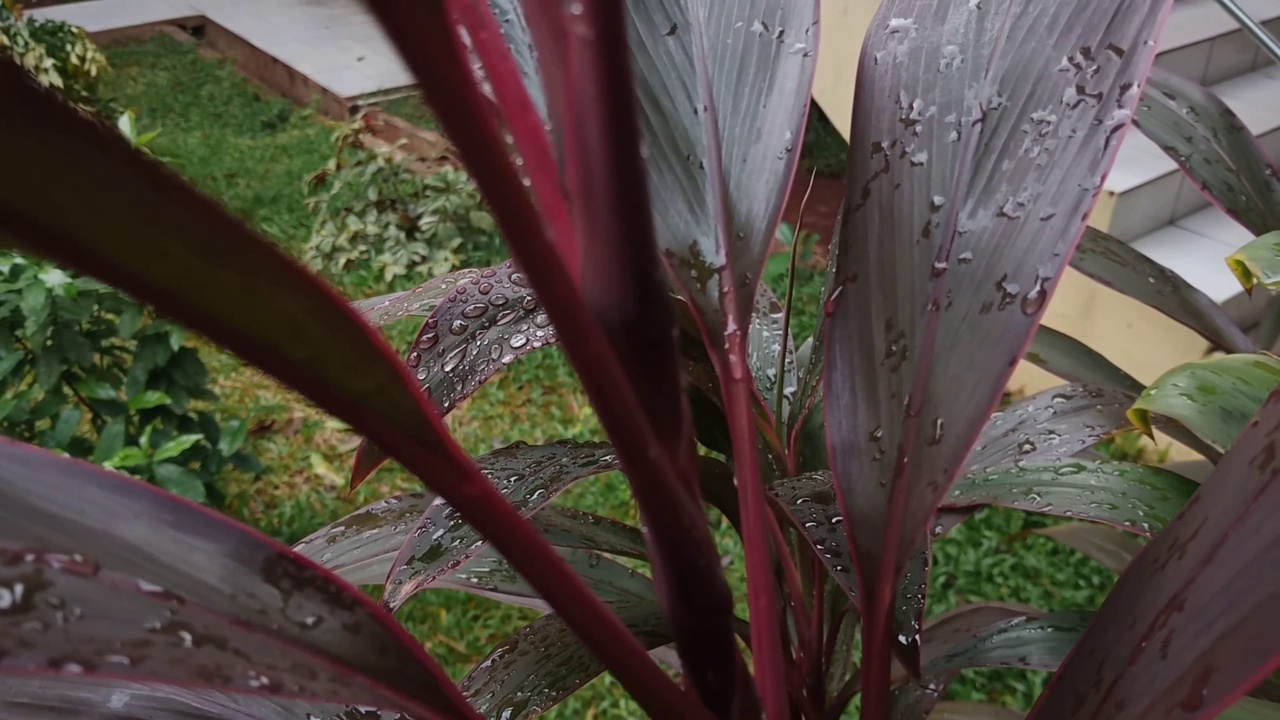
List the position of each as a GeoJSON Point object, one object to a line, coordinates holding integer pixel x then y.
{"type": "Point", "coordinates": [483, 324]}
{"type": "Point", "coordinates": [67, 506]}
{"type": "Point", "coordinates": [969, 183]}
{"type": "Point", "coordinates": [1118, 266]}
{"type": "Point", "coordinates": [1189, 626]}
{"type": "Point", "coordinates": [765, 347]}
{"type": "Point", "coordinates": [1073, 361]}
{"type": "Point", "coordinates": [1214, 148]}
{"type": "Point", "coordinates": [98, 206]}
{"type": "Point", "coordinates": [1258, 262]}
{"type": "Point", "coordinates": [542, 664]}
{"type": "Point", "coordinates": [422, 300]}
{"type": "Point", "coordinates": [67, 616]}
{"type": "Point", "coordinates": [361, 546]}
{"type": "Point", "coordinates": [724, 91]}
{"type": "Point", "coordinates": [1031, 642]}
{"type": "Point", "coordinates": [1139, 499]}
{"type": "Point", "coordinates": [1212, 398]}
{"type": "Point", "coordinates": [528, 476]}
{"type": "Point", "coordinates": [1111, 548]}
{"type": "Point", "coordinates": [1058, 422]}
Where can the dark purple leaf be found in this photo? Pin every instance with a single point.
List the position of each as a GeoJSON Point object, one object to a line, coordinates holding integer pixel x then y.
{"type": "Point", "coordinates": [980, 139]}
{"type": "Point", "coordinates": [1111, 548]}
{"type": "Point", "coordinates": [360, 547]}
{"type": "Point", "coordinates": [64, 506]}
{"type": "Point", "coordinates": [1058, 422]}
{"type": "Point", "coordinates": [1214, 148]}
{"type": "Point", "coordinates": [528, 476]}
{"type": "Point", "coordinates": [1116, 265]}
{"type": "Point", "coordinates": [542, 664]}
{"type": "Point", "coordinates": [697, 600]}
{"type": "Point", "coordinates": [420, 301]}
{"type": "Point", "coordinates": [483, 324]}
{"type": "Point", "coordinates": [96, 205]}
{"type": "Point", "coordinates": [36, 697]}
{"type": "Point", "coordinates": [992, 635]}
{"type": "Point", "coordinates": [1136, 498]}
{"type": "Point", "coordinates": [766, 337]}
{"type": "Point", "coordinates": [65, 615]}
{"type": "Point", "coordinates": [1189, 626]}
{"type": "Point", "coordinates": [1073, 361]}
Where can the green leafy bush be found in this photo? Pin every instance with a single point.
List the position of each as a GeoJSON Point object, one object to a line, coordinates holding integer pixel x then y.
{"type": "Point", "coordinates": [379, 222]}
{"type": "Point", "coordinates": [88, 371]}
{"type": "Point", "coordinates": [57, 54]}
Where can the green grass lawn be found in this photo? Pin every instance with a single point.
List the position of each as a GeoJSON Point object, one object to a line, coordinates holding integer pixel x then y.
{"type": "Point", "coordinates": [253, 153]}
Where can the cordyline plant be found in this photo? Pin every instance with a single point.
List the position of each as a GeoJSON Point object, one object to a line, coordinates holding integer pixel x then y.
{"type": "Point", "coordinates": [636, 157]}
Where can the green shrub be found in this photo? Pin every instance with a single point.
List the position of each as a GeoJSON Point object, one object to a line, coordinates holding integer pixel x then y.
{"type": "Point", "coordinates": [57, 54]}
{"type": "Point", "coordinates": [381, 224]}
{"type": "Point", "coordinates": [87, 371]}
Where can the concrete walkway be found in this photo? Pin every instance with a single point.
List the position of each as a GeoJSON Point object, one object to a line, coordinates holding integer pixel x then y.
{"type": "Point", "coordinates": [335, 43]}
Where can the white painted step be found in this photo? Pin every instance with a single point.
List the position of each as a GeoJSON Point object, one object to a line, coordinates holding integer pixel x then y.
{"type": "Point", "coordinates": [1202, 43]}
{"type": "Point", "coordinates": [1151, 192]}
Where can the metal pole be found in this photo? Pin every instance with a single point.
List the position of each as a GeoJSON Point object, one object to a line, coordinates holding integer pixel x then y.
{"type": "Point", "coordinates": [1251, 26]}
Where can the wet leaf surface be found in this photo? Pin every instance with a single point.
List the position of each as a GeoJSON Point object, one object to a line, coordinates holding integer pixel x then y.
{"type": "Point", "coordinates": [543, 663]}
{"type": "Point", "coordinates": [420, 301]}
{"type": "Point", "coordinates": [528, 476]}
{"type": "Point", "coordinates": [1213, 147]}
{"type": "Point", "coordinates": [765, 338]}
{"type": "Point", "coordinates": [1058, 422]}
{"type": "Point", "coordinates": [232, 571]}
{"type": "Point", "coordinates": [1189, 626]}
{"type": "Point", "coordinates": [37, 697]}
{"type": "Point", "coordinates": [63, 614]}
{"type": "Point", "coordinates": [968, 185]}
{"type": "Point", "coordinates": [1140, 499]}
{"type": "Point", "coordinates": [1212, 398]}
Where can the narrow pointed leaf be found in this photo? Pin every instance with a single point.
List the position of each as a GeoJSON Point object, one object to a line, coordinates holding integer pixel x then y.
{"type": "Point", "coordinates": [1214, 148]}
{"type": "Point", "coordinates": [1189, 626]}
{"type": "Point", "coordinates": [98, 206]}
{"type": "Point", "coordinates": [1111, 548]}
{"type": "Point", "coordinates": [420, 301]}
{"type": "Point", "coordinates": [1073, 361]}
{"type": "Point", "coordinates": [64, 506]}
{"type": "Point", "coordinates": [528, 476]}
{"type": "Point", "coordinates": [1058, 422]}
{"type": "Point", "coordinates": [69, 616]}
{"type": "Point", "coordinates": [1118, 266]}
{"type": "Point", "coordinates": [488, 575]}
{"type": "Point", "coordinates": [1212, 398]}
{"type": "Point", "coordinates": [542, 664]}
{"type": "Point", "coordinates": [1136, 498]}
{"type": "Point", "coordinates": [1258, 263]}
{"type": "Point", "coordinates": [968, 188]}
{"type": "Point", "coordinates": [570, 528]}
